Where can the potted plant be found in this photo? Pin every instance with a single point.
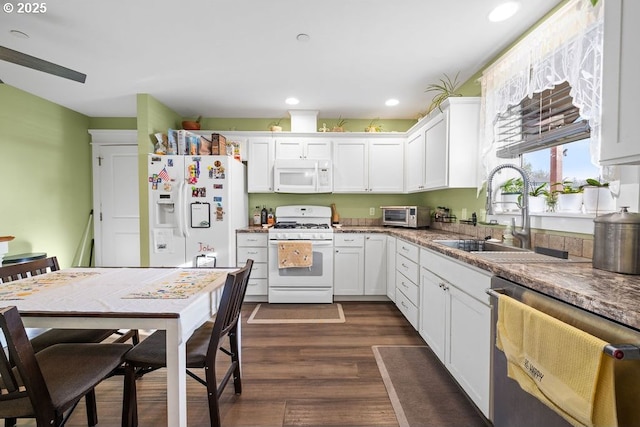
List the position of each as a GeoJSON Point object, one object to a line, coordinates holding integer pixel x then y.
{"type": "Point", "coordinates": [511, 190]}
{"type": "Point", "coordinates": [275, 126]}
{"type": "Point", "coordinates": [192, 125]}
{"type": "Point", "coordinates": [597, 197]}
{"type": "Point", "coordinates": [339, 127]}
{"type": "Point", "coordinates": [569, 197]}
{"type": "Point", "coordinates": [537, 199]}
{"type": "Point", "coordinates": [445, 89]}
{"type": "Point", "coordinates": [551, 198]}
{"type": "Point", "coordinates": [373, 127]}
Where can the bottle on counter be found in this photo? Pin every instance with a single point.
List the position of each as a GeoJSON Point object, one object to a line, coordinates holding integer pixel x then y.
{"type": "Point", "coordinates": [264, 215]}
{"type": "Point", "coordinates": [256, 216]}
{"type": "Point", "coordinates": [271, 218]}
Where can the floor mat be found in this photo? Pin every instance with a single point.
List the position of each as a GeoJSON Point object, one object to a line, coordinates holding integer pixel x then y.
{"type": "Point", "coordinates": [297, 313]}
{"type": "Point", "coordinates": [421, 390]}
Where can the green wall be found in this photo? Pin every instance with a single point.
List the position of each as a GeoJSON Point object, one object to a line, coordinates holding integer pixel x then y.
{"type": "Point", "coordinates": [351, 125]}
{"type": "Point", "coordinates": [153, 117]}
{"type": "Point", "coordinates": [45, 169]}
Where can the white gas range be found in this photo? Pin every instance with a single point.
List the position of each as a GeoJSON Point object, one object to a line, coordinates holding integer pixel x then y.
{"type": "Point", "coordinates": [309, 225]}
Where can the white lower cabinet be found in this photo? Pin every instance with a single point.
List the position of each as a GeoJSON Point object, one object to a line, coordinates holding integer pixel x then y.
{"type": "Point", "coordinates": [348, 264]}
{"type": "Point", "coordinates": [254, 246]}
{"type": "Point", "coordinates": [407, 284]}
{"type": "Point", "coordinates": [455, 321]}
{"type": "Point", "coordinates": [375, 264]}
{"type": "Point", "coordinates": [359, 264]}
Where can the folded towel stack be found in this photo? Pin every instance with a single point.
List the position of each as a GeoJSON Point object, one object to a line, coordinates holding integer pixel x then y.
{"type": "Point", "coordinates": [559, 364]}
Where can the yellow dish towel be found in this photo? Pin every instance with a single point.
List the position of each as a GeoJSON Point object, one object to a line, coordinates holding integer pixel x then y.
{"type": "Point", "coordinates": [562, 366]}
{"type": "Point", "coordinates": [295, 253]}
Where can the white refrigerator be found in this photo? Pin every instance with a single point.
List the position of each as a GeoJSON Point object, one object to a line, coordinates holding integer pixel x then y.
{"type": "Point", "coordinates": [196, 203]}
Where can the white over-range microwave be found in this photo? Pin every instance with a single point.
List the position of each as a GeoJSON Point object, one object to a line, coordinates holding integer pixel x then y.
{"type": "Point", "coordinates": [302, 176]}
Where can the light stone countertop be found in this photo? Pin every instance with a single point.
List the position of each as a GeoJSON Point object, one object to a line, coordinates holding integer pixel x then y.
{"type": "Point", "coordinates": [611, 295]}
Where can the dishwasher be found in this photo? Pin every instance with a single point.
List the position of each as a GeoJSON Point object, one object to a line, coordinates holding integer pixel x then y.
{"type": "Point", "coordinates": [512, 406]}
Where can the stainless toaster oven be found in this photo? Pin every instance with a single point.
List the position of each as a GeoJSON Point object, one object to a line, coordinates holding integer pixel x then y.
{"type": "Point", "coordinates": [406, 216]}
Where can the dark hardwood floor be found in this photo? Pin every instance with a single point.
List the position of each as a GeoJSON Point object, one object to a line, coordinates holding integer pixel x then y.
{"type": "Point", "coordinates": [293, 375]}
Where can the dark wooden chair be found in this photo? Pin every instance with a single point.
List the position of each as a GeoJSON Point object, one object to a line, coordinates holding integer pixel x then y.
{"type": "Point", "coordinates": [48, 385]}
{"type": "Point", "coordinates": [50, 337]}
{"type": "Point", "coordinates": [202, 348]}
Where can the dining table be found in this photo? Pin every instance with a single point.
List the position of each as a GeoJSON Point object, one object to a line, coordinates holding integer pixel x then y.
{"type": "Point", "coordinates": [177, 300]}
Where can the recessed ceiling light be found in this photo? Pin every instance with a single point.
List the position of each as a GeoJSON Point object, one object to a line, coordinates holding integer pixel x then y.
{"type": "Point", "coordinates": [302, 37]}
{"type": "Point", "coordinates": [292, 101]}
{"type": "Point", "coordinates": [19, 34]}
{"type": "Point", "coordinates": [504, 11]}
{"type": "Point", "coordinates": [391, 102]}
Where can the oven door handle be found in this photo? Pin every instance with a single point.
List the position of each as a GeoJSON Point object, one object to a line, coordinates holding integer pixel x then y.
{"type": "Point", "coordinates": [315, 243]}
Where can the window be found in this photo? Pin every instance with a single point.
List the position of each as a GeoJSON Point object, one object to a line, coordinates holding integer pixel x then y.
{"type": "Point", "coordinates": [551, 138]}
{"type": "Point", "coordinates": [568, 162]}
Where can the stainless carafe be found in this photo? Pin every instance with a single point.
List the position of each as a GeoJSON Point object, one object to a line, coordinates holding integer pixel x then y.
{"type": "Point", "coordinates": [616, 243]}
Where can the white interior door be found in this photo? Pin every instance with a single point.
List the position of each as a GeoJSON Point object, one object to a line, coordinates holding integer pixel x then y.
{"type": "Point", "coordinates": [116, 206]}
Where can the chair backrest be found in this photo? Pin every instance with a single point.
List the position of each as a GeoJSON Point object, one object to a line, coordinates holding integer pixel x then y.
{"type": "Point", "coordinates": [230, 306]}
{"type": "Point", "coordinates": [21, 270]}
{"type": "Point", "coordinates": [21, 355]}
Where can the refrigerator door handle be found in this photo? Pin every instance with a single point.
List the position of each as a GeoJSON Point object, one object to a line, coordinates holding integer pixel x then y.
{"type": "Point", "coordinates": [182, 210]}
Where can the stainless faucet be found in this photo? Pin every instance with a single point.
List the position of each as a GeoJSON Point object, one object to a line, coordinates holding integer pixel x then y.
{"type": "Point", "coordinates": [524, 234]}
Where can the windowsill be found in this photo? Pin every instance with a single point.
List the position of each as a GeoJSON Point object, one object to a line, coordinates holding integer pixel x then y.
{"type": "Point", "coordinates": [555, 221]}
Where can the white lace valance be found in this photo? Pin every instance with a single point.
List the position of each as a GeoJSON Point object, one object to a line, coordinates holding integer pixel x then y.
{"type": "Point", "coordinates": [566, 47]}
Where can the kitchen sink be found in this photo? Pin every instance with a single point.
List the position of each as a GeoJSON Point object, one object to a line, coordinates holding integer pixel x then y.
{"type": "Point", "coordinates": [478, 245]}
{"type": "Point", "coordinates": [500, 253]}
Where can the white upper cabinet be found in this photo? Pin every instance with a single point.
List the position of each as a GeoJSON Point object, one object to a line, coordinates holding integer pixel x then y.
{"type": "Point", "coordinates": [303, 148]}
{"type": "Point", "coordinates": [451, 145]}
{"type": "Point", "coordinates": [368, 165]}
{"type": "Point", "coordinates": [386, 163]}
{"type": "Point", "coordinates": [260, 165]}
{"type": "Point", "coordinates": [442, 149]}
{"type": "Point", "coordinates": [620, 83]}
{"type": "Point", "coordinates": [415, 165]}
{"type": "Point", "coordinates": [350, 165]}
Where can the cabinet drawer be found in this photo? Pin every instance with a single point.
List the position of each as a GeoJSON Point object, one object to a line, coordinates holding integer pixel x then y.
{"type": "Point", "coordinates": [252, 239]}
{"type": "Point", "coordinates": [260, 270]}
{"type": "Point", "coordinates": [409, 250]}
{"type": "Point", "coordinates": [408, 288]}
{"type": "Point", "coordinates": [340, 239]}
{"type": "Point", "coordinates": [407, 267]}
{"type": "Point", "coordinates": [256, 254]}
{"type": "Point", "coordinates": [408, 309]}
{"type": "Point", "coordinates": [257, 286]}
{"type": "Point", "coordinates": [467, 278]}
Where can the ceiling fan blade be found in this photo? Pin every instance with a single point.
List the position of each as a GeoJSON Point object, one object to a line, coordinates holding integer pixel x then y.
{"type": "Point", "coordinates": [25, 60]}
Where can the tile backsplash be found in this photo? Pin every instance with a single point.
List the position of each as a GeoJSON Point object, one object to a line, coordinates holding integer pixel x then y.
{"type": "Point", "coordinates": [576, 244]}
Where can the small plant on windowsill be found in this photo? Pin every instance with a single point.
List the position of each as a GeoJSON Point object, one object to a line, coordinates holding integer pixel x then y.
{"type": "Point", "coordinates": [537, 199]}
{"type": "Point", "coordinates": [569, 197]}
{"type": "Point", "coordinates": [511, 191]}
{"type": "Point", "coordinates": [597, 197]}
